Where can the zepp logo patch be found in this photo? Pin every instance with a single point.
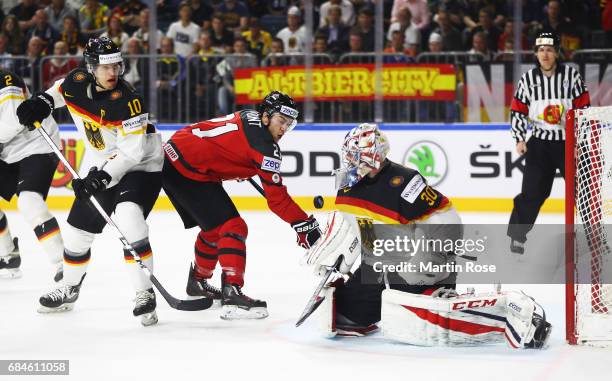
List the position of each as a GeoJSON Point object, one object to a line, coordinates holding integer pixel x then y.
{"type": "Point", "coordinates": [270, 164]}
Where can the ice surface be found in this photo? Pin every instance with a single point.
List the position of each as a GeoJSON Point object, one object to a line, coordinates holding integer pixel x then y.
{"type": "Point", "coordinates": [103, 341]}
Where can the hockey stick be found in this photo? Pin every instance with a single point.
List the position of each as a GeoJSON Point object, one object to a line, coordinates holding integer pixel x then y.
{"type": "Point", "coordinates": [315, 300]}
{"type": "Point", "coordinates": [183, 305]}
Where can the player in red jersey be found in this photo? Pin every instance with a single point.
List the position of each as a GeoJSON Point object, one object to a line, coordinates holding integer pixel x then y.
{"type": "Point", "coordinates": [199, 158]}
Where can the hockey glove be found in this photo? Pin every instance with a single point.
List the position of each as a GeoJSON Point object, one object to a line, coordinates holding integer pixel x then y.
{"type": "Point", "coordinates": [35, 109]}
{"type": "Point", "coordinates": [308, 232]}
{"type": "Point", "coordinates": [95, 181]}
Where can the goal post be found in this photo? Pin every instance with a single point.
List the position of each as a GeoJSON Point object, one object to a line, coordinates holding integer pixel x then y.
{"type": "Point", "coordinates": [588, 216]}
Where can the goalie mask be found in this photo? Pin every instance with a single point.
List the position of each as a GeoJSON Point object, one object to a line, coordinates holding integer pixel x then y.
{"type": "Point", "coordinates": [277, 102]}
{"type": "Point", "coordinates": [102, 51]}
{"type": "Point", "coordinates": [365, 148]}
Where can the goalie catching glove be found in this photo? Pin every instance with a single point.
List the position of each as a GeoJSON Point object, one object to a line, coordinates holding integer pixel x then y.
{"type": "Point", "coordinates": [341, 237]}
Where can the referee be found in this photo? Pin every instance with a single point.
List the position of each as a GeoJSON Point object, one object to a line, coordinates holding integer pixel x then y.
{"type": "Point", "coordinates": [542, 98]}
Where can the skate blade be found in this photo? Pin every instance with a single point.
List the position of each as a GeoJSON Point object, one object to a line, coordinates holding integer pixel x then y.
{"type": "Point", "coordinates": [10, 273]}
{"type": "Point", "coordinates": [235, 313]}
{"type": "Point", "coordinates": [63, 308]}
{"type": "Point", "coordinates": [148, 319]}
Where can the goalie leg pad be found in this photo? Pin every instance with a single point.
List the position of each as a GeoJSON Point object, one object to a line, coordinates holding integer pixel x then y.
{"type": "Point", "coordinates": [427, 321]}
{"type": "Point", "coordinates": [327, 313]}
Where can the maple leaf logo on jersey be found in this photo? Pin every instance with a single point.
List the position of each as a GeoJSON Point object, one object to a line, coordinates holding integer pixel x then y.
{"type": "Point", "coordinates": [552, 114]}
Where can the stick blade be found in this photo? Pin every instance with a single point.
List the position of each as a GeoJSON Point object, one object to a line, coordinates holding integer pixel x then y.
{"type": "Point", "coordinates": [178, 304]}
{"type": "Point", "coordinates": [309, 312]}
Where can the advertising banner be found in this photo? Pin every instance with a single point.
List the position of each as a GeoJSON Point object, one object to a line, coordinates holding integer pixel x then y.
{"type": "Point", "coordinates": [347, 82]}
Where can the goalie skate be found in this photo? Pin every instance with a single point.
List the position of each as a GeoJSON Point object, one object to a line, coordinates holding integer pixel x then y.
{"type": "Point", "coordinates": [9, 264]}
{"type": "Point", "coordinates": [237, 306]}
{"type": "Point", "coordinates": [145, 307]}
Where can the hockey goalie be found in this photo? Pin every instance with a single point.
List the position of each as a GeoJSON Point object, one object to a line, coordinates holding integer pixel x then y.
{"type": "Point", "coordinates": [418, 307]}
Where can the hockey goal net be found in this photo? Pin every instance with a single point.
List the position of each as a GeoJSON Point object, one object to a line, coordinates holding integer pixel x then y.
{"type": "Point", "coordinates": [588, 214]}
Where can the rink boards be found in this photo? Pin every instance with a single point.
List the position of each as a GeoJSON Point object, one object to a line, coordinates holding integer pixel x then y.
{"type": "Point", "coordinates": [474, 164]}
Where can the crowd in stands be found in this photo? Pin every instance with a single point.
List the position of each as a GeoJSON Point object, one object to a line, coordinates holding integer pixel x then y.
{"type": "Point", "coordinates": [252, 29]}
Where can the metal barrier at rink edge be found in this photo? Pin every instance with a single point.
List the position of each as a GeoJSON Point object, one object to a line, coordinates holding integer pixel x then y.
{"type": "Point", "coordinates": [201, 87]}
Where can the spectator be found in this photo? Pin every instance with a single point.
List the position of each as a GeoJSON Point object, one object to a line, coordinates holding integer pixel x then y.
{"type": "Point", "coordinates": [485, 25]}
{"type": "Point", "coordinates": [348, 12]}
{"type": "Point", "coordinates": [56, 11]}
{"type": "Point", "coordinates": [409, 31]}
{"type": "Point", "coordinates": [43, 29]}
{"type": "Point", "coordinates": [168, 80]}
{"type": "Point", "coordinates": [496, 9]}
{"type": "Point", "coordinates": [479, 45]}
{"type": "Point", "coordinates": [276, 56]}
{"type": "Point", "coordinates": [17, 42]}
{"type": "Point", "coordinates": [294, 35]}
{"type": "Point", "coordinates": [257, 8]}
{"type": "Point", "coordinates": [201, 84]}
{"type": "Point", "coordinates": [396, 45]}
{"type": "Point", "coordinates": [365, 26]}
{"type": "Point", "coordinates": [6, 60]}
{"type": "Point", "coordinates": [507, 36]}
{"type": "Point", "coordinates": [355, 41]}
{"type": "Point", "coordinates": [258, 40]}
{"type": "Point", "coordinates": [435, 43]}
{"type": "Point", "coordinates": [128, 13]}
{"type": "Point", "coordinates": [320, 44]}
{"type": "Point", "coordinates": [451, 36]}
{"type": "Point", "coordinates": [278, 7]}
{"type": "Point", "coordinates": [184, 32]}
{"type": "Point", "coordinates": [225, 72]}
{"type": "Point", "coordinates": [556, 23]}
{"type": "Point", "coordinates": [58, 66]}
{"type": "Point", "coordinates": [93, 17]}
{"type": "Point", "coordinates": [606, 22]}
{"type": "Point", "coordinates": [201, 13]}
{"type": "Point", "coordinates": [115, 32]}
{"type": "Point", "coordinates": [235, 15]}
{"type": "Point", "coordinates": [24, 11]}
{"type": "Point", "coordinates": [335, 30]}
{"type": "Point", "coordinates": [72, 36]}
{"type": "Point", "coordinates": [136, 68]}
{"type": "Point", "coordinates": [222, 38]}
{"type": "Point", "coordinates": [142, 33]}
{"type": "Point", "coordinates": [30, 72]}
{"type": "Point", "coordinates": [421, 17]}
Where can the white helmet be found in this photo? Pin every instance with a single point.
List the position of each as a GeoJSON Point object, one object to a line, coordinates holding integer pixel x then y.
{"type": "Point", "coordinates": [365, 148]}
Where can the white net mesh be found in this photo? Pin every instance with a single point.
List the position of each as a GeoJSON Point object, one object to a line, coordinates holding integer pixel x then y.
{"type": "Point", "coordinates": [593, 219]}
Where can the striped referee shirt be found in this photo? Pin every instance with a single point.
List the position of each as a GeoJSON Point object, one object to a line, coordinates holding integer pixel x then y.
{"type": "Point", "coordinates": [542, 102]}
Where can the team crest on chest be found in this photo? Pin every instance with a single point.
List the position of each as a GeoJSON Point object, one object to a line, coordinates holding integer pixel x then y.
{"type": "Point", "coordinates": [94, 135]}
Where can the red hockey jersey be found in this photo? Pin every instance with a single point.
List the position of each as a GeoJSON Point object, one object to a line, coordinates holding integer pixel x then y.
{"type": "Point", "coordinates": [235, 146]}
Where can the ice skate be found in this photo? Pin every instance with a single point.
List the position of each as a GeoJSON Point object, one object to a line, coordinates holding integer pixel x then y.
{"type": "Point", "coordinates": [61, 299]}
{"type": "Point", "coordinates": [200, 287]}
{"type": "Point", "coordinates": [236, 305]}
{"type": "Point", "coordinates": [9, 264]}
{"type": "Point", "coordinates": [145, 307]}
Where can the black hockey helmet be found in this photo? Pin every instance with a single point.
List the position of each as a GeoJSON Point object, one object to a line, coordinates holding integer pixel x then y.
{"type": "Point", "coordinates": [277, 102]}
{"type": "Point", "coordinates": [102, 51]}
{"type": "Point", "coordinates": [547, 38]}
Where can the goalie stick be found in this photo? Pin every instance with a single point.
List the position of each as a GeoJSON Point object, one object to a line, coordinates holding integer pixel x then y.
{"type": "Point", "coordinates": [178, 304]}
{"type": "Point", "coordinates": [315, 300]}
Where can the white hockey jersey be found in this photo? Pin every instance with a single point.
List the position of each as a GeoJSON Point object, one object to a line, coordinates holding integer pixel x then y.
{"type": "Point", "coordinates": [114, 125]}
{"type": "Point", "coordinates": [16, 140]}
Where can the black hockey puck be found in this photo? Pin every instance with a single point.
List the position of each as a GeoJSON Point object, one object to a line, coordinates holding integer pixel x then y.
{"type": "Point", "coordinates": [318, 202]}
